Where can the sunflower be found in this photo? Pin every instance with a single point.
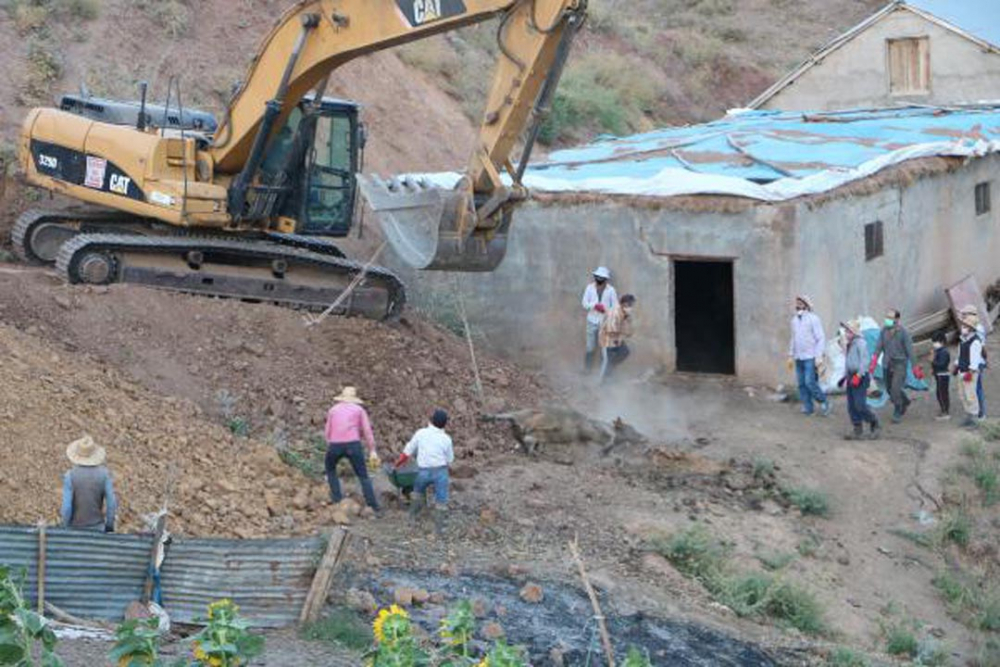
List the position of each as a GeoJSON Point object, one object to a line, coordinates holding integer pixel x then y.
{"type": "Point", "coordinates": [378, 626]}
{"type": "Point", "coordinates": [222, 605]}
{"type": "Point", "coordinates": [204, 658]}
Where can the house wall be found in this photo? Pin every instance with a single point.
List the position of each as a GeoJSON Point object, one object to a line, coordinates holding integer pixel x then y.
{"type": "Point", "coordinates": [529, 308]}
{"type": "Point", "coordinates": [856, 75]}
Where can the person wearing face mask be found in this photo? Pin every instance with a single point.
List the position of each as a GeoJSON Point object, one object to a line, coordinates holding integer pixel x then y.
{"type": "Point", "coordinates": [940, 363]}
{"type": "Point", "coordinates": [970, 358]}
{"type": "Point", "coordinates": [895, 343]}
{"type": "Point", "coordinates": [806, 351]}
{"type": "Point", "coordinates": [615, 331]}
{"type": "Point", "coordinates": [598, 299]}
{"type": "Point", "coordinates": [856, 381]}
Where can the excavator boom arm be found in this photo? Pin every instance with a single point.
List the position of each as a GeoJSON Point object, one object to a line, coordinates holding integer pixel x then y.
{"type": "Point", "coordinates": [315, 37]}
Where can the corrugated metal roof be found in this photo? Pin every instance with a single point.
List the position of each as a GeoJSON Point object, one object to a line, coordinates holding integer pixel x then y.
{"type": "Point", "coordinates": [768, 155]}
{"type": "Point", "coordinates": [93, 575]}
{"type": "Point", "coordinates": [976, 17]}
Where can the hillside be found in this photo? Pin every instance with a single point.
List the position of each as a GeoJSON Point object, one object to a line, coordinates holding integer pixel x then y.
{"type": "Point", "coordinates": [639, 64]}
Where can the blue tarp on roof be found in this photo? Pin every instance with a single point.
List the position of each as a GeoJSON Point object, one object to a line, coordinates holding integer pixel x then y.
{"type": "Point", "coordinates": [980, 18]}
{"type": "Point", "coordinates": [768, 155]}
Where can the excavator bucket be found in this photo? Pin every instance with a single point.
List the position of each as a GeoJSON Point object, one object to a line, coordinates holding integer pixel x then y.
{"type": "Point", "coordinates": [424, 225]}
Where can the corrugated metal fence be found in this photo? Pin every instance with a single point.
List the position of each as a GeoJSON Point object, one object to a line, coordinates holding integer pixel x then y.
{"type": "Point", "coordinates": [93, 575]}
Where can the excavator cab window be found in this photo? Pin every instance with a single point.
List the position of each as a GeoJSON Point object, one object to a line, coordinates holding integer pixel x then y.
{"type": "Point", "coordinates": [328, 206]}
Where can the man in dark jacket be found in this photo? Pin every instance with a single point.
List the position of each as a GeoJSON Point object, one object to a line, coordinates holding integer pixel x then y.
{"type": "Point", "coordinates": [896, 346]}
{"type": "Point", "coordinates": [88, 494]}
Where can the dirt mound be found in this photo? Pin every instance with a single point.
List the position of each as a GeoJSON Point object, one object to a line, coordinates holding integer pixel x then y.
{"type": "Point", "coordinates": [157, 447]}
{"type": "Point", "coordinates": [192, 376]}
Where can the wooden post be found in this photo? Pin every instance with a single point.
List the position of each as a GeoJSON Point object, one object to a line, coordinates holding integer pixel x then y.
{"type": "Point", "coordinates": [609, 650]}
{"type": "Point", "coordinates": [336, 547]}
{"type": "Point", "coordinates": [42, 545]}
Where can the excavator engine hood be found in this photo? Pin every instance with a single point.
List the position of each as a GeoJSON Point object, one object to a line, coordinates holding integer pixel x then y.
{"type": "Point", "coordinates": [434, 228]}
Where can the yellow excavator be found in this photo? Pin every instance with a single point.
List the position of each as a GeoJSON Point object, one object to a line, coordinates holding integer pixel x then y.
{"type": "Point", "coordinates": [245, 206]}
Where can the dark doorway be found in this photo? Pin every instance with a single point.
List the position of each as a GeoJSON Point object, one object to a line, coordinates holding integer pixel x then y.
{"type": "Point", "coordinates": [703, 317]}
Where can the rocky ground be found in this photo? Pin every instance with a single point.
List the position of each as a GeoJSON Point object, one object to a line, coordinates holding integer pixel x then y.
{"type": "Point", "coordinates": [169, 383]}
{"type": "Point", "coordinates": [195, 399]}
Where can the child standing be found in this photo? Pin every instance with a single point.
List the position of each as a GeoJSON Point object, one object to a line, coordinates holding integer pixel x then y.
{"type": "Point", "coordinates": [940, 364]}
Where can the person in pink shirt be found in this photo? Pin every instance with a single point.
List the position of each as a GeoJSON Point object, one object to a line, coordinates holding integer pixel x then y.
{"type": "Point", "coordinates": [347, 425]}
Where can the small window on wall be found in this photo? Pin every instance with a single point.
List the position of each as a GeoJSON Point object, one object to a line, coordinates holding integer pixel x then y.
{"type": "Point", "coordinates": [873, 240]}
{"type": "Point", "coordinates": [909, 66]}
{"type": "Point", "coordinates": [982, 198]}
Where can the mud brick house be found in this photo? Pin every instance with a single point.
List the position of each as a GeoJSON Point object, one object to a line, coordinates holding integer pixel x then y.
{"type": "Point", "coordinates": [715, 227]}
{"type": "Point", "coordinates": [936, 52]}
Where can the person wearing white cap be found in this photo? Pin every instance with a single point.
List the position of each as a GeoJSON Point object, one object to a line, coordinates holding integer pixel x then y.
{"type": "Point", "coordinates": [598, 299]}
{"type": "Point", "coordinates": [88, 495]}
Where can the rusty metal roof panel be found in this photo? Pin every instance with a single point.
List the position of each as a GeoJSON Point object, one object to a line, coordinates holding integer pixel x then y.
{"type": "Point", "coordinates": [88, 574]}
{"type": "Point", "coordinates": [268, 579]}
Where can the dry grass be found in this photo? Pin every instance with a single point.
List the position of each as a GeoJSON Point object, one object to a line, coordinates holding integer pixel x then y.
{"type": "Point", "coordinates": [44, 69]}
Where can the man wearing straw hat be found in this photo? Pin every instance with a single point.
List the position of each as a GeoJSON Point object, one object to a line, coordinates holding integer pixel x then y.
{"type": "Point", "coordinates": [346, 425]}
{"type": "Point", "coordinates": [970, 358]}
{"type": "Point", "coordinates": [981, 332]}
{"type": "Point", "coordinates": [88, 494]}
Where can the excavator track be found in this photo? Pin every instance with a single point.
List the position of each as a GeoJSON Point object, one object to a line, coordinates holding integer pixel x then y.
{"type": "Point", "coordinates": [39, 233]}
{"type": "Point", "coordinates": [274, 270]}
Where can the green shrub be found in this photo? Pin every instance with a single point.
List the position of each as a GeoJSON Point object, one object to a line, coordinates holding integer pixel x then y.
{"type": "Point", "coordinates": [86, 10]}
{"type": "Point", "coordinates": [172, 16]}
{"type": "Point", "coordinates": [983, 469]}
{"type": "Point", "coordinates": [697, 554]}
{"type": "Point", "coordinates": [956, 528]}
{"type": "Point", "coordinates": [604, 93]}
{"type": "Point", "coordinates": [775, 560]}
{"type": "Point", "coordinates": [808, 547]}
{"type": "Point", "coordinates": [901, 640]}
{"type": "Point", "coordinates": [637, 658]}
{"type": "Point", "coordinates": [342, 627]}
{"type": "Point", "coordinates": [694, 552]}
{"type": "Point", "coordinates": [845, 657]}
{"type": "Point", "coordinates": [954, 591]}
{"type": "Point", "coordinates": [988, 618]}
{"type": "Point", "coordinates": [809, 501]}
{"type": "Point", "coordinates": [763, 467]}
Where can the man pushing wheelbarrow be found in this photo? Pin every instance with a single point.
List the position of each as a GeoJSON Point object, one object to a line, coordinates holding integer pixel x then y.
{"type": "Point", "coordinates": [432, 448]}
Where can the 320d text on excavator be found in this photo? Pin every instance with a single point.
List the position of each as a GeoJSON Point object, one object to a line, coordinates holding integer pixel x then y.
{"type": "Point", "coordinates": [246, 206]}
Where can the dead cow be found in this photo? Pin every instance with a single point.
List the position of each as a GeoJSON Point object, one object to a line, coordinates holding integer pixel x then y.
{"type": "Point", "coordinates": [534, 428]}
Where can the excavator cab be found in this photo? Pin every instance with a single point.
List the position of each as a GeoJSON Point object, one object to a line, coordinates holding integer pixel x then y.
{"type": "Point", "coordinates": [314, 158]}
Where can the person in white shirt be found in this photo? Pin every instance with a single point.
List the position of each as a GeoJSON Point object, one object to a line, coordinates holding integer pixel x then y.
{"type": "Point", "coordinates": [434, 452]}
{"type": "Point", "coordinates": [599, 298]}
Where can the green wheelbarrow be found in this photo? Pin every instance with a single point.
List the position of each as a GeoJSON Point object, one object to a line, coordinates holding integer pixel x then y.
{"type": "Point", "coordinates": [403, 479]}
